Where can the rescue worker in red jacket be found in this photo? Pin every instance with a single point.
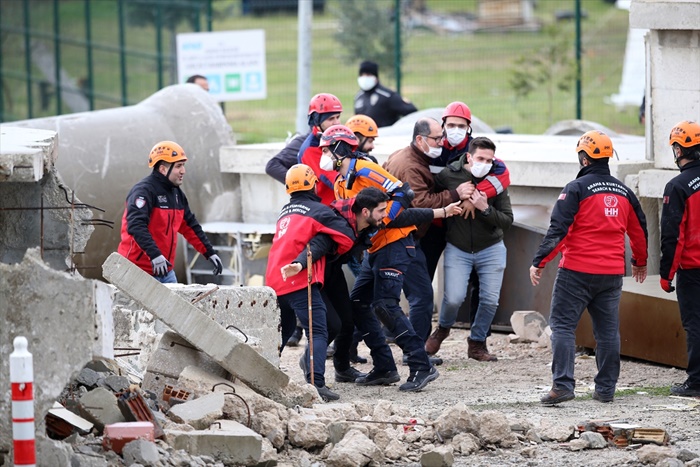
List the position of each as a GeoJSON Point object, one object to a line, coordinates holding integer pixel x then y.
{"type": "Point", "coordinates": [156, 211]}
{"type": "Point", "coordinates": [324, 112]}
{"type": "Point", "coordinates": [305, 221]}
{"type": "Point", "coordinates": [588, 226]}
{"type": "Point", "coordinates": [680, 245]}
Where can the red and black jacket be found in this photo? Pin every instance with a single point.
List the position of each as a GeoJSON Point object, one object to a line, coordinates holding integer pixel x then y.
{"type": "Point", "coordinates": [589, 222]}
{"type": "Point", "coordinates": [156, 211]}
{"type": "Point", "coordinates": [680, 216]}
{"type": "Point", "coordinates": [300, 221]}
{"type": "Point", "coordinates": [310, 154]}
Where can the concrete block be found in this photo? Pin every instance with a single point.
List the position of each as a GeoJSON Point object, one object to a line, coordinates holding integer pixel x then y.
{"type": "Point", "coordinates": [528, 325]}
{"type": "Point", "coordinates": [25, 153]}
{"type": "Point", "coordinates": [201, 382]}
{"type": "Point", "coordinates": [141, 451]}
{"type": "Point", "coordinates": [204, 333]}
{"type": "Point", "coordinates": [199, 413]}
{"type": "Point", "coordinates": [665, 14]}
{"type": "Point", "coordinates": [117, 435]}
{"type": "Point", "coordinates": [100, 406]}
{"type": "Point", "coordinates": [57, 313]}
{"type": "Point", "coordinates": [173, 355]}
{"type": "Point", "coordinates": [232, 444]}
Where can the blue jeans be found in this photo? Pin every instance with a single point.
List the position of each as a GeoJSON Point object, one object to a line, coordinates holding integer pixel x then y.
{"type": "Point", "coordinates": [574, 292]}
{"type": "Point", "coordinates": [687, 290]}
{"type": "Point", "coordinates": [489, 264]}
{"type": "Point", "coordinates": [169, 278]}
{"type": "Point", "coordinates": [379, 286]}
{"type": "Point", "coordinates": [298, 301]}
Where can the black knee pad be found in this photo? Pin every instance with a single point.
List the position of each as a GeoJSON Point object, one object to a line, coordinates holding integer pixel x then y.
{"type": "Point", "coordinates": [387, 312]}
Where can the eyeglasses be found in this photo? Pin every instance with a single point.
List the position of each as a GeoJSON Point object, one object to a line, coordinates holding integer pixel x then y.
{"type": "Point", "coordinates": [438, 139]}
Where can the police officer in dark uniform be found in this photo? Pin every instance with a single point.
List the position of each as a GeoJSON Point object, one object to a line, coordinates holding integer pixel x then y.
{"type": "Point", "coordinates": [380, 103]}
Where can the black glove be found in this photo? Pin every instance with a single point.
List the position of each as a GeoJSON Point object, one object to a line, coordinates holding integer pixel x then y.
{"type": "Point", "coordinates": [218, 265]}
{"type": "Point", "coordinates": [160, 266]}
{"type": "Point", "coordinates": [403, 195]}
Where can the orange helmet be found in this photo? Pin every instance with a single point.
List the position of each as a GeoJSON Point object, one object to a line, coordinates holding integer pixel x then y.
{"type": "Point", "coordinates": [596, 144]}
{"type": "Point", "coordinates": [457, 109]}
{"type": "Point", "coordinates": [685, 133]}
{"type": "Point", "coordinates": [363, 125]}
{"type": "Point", "coordinates": [300, 177]}
{"type": "Point", "coordinates": [166, 151]}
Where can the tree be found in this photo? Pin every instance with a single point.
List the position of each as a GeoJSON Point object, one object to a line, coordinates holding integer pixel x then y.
{"type": "Point", "coordinates": [551, 66]}
{"type": "Point", "coordinates": [366, 32]}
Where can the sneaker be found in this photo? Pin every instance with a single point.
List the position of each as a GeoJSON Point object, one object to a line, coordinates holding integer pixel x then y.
{"type": "Point", "coordinates": [686, 390]}
{"type": "Point", "coordinates": [326, 394]}
{"type": "Point", "coordinates": [597, 397]}
{"type": "Point", "coordinates": [554, 397]}
{"type": "Point", "coordinates": [348, 376]}
{"type": "Point", "coordinates": [435, 361]}
{"type": "Point", "coordinates": [355, 358]}
{"type": "Point", "coordinates": [296, 337]}
{"type": "Point", "coordinates": [417, 380]}
{"type": "Point", "coordinates": [378, 378]}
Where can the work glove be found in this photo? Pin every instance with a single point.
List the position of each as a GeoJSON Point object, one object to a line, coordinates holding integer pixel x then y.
{"type": "Point", "coordinates": [160, 266]}
{"type": "Point", "coordinates": [218, 265]}
{"type": "Point", "coordinates": [666, 285]}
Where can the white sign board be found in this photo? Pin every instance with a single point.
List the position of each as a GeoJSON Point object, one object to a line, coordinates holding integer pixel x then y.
{"type": "Point", "coordinates": [232, 61]}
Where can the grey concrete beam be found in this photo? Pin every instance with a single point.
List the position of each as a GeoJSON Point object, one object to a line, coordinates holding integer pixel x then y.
{"type": "Point", "coordinates": [204, 333]}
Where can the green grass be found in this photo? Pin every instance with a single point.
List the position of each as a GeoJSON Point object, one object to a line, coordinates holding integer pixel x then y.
{"type": "Point", "coordinates": [437, 68]}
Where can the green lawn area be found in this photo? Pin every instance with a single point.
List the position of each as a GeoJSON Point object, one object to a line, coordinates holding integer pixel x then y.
{"type": "Point", "coordinates": [437, 67]}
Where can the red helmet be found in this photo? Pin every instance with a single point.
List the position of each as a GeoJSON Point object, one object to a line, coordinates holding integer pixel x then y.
{"type": "Point", "coordinates": [457, 109]}
{"type": "Point", "coordinates": [325, 103]}
{"type": "Point", "coordinates": [337, 133]}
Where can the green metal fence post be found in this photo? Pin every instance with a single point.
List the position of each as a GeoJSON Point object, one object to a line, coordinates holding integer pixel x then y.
{"type": "Point", "coordinates": [210, 16]}
{"type": "Point", "coordinates": [578, 60]}
{"type": "Point", "coordinates": [122, 51]}
{"type": "Point", "coordinates": [88, 51]}
{"type": "Point", "coordinates": [57, 57]}
{"type": "Point", "coordinates": [28, 59]}
{"type": "Point", "coordinates": [397, 39]}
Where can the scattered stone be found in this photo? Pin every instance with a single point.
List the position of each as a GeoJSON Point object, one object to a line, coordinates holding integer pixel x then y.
{"type": "Point", "coordinates": [441, 456]}
{"type": "Point", "coordinates": [528, 325]}
{"type": "Point", "coordinates": [670, 462]}
{"type": "Point", "coordinates": [551, 431]}
{"type": "Point", "coordinates": [686, 455]}
{"type": "Point", "coordinates": [233, 443]}
{"type": "Point", "coordinates": [354, 450]}
{"type": "Point", "coordinates": [268, 455]}
{"type": "Point", "coordinates": [466, 443]}
{"type": "Point", "coordinates": [578, 444]}
{"type": "Point", "coordinates": [200, 413]}
{"type": "Point", "coordinates": [140, 451]}
{"type": "Point", "coordinates": [382, 438]}
{"type": "Point", "coordinates": [88, 378]}
{"type": "Point", "coordinates": [652, 454]}
{"type": "Point", "coordinates": [395, 450]}
{"type": "Point", "coordinates": [494, 428]}
{"type": "Point", "coordinates": [100, 407]}
{"type": "Point", "coordinates": [455, 420]}
{"type": "Point", "coordinates": [595, 440]}
{"type": "Point", "coordinates": [116, 383]}
{"type": "Point", "coordinates": [529, 452]}
{"type": "Point", "coordinates": [306, 431]}
{"type": "Point", "coordinates": [545, 340]}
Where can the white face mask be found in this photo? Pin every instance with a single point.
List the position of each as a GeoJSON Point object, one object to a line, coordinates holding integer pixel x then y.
{"type": "Point", "coordinates": [480, 169]}
{"type": "Point", "coordinates": [433, 153]}
{"type": "Point", "coordinates": [366, 82]}
{"type": "Point", "coordinates": [327, 163]}
{"type": "Point", "coordinates": [455, 135]}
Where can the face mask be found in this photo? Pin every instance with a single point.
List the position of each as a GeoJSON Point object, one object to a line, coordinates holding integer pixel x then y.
{"type": "Point", "coordinates": [327, 163]}
{"type": "Point", "coordinates": [455, 135]}
{"type": "Point", "coordinates": [366, 82]}
{"type": "Point", "coordinates": [480, 169]}
{"type": "Point", "coordinates": [432, 152]}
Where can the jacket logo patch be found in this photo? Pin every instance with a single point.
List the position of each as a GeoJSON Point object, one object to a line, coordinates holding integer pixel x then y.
{"type": "Point", "coordinates": [284, 224]}
{"type": "Point", "coordinates": [162, 199]}
{"type": "Point", "coordinates": [666, 200]}
{"type": "Point", "coordinates": [611, 209]}
{"type": "Point", "coordinates": [140, 202]}
{"type": "Point", "coordinates": [562, 197]}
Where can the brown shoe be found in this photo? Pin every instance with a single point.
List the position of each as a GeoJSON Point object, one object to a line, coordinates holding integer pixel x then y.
{"type": "Point", "coordinates": [432, 345]}
{"type": "Point", "coordinates": [478, 351]}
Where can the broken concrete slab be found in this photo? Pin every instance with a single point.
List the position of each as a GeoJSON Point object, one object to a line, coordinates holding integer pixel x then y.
{"type": "Point", "coordinates": [199, 413]}
{"type": "Point", "coordinates": [172, 356]}
{"type": "Point", "coordinates": [62, 316]}
{"type": "Point", "coordinates": [440, 456]}
{"type": "Point", "coordinates": [233, 443]}
{"type": "Point", "coordinates": [455, 420]}
{"type": "Point", "coordinates": [141, 452]}
{"type": "Point", "coordinates": [101, 407]}
{"type": "Point", "coordinates": [355, 449]}
{"type": "Point", "coordinates": [204, 333]}
{"type": "Point", "coordinates": [528, 325]}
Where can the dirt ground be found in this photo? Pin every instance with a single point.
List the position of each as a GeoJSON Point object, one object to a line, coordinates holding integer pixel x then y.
{"type": "Point", "coordinates": [513, 386]}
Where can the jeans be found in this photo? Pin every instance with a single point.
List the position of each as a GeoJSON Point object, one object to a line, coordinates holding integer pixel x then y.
{"type": "Point", "coordinates": [379, 286]}
{"type": "Point", "coordinates": [169, 278]}
{"type": "Point", "coordinates": [418, 288]}
{"type": "Point", "coordinates": [298, 301]}
{"type": "Point", "coordinates": [687, 291]}
{"type": "Point", "coordinates": [574, 292]}
{"type": "Point", "coordinates": [489, 264]}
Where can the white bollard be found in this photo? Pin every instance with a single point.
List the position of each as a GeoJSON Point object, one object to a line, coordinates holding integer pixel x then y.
{"type": "Point", "coordinates": [22, 379]}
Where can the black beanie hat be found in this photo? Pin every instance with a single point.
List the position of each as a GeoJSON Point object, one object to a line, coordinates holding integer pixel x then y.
{"type": "Point", "coordinates": [369, 68]}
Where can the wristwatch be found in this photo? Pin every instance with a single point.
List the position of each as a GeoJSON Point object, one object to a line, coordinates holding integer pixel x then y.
{"type": "Point", "coordinates": [487, 211]}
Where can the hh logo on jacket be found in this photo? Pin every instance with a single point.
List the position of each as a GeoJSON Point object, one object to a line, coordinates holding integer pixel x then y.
{"type": "Point", "coordinates": [611, 209]}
